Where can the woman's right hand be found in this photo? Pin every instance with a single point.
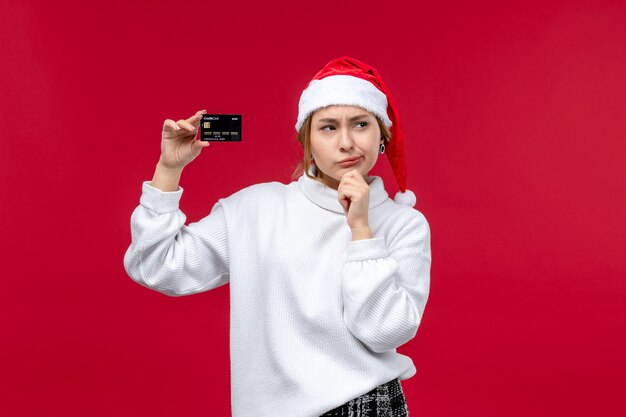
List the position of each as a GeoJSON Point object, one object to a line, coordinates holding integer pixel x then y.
{"type": "Point", "coordinates": [178, 141]}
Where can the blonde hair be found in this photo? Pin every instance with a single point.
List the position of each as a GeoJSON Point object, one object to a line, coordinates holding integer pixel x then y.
{"type": "Point", "coordinates": [304, 137]}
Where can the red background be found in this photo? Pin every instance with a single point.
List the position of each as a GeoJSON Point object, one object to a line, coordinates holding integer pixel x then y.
{"type": "Point", "coordinates": [515, 120]}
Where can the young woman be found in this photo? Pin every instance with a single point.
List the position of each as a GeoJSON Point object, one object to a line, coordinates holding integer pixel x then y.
{"type": "Point", "coordinates": [327, 275]}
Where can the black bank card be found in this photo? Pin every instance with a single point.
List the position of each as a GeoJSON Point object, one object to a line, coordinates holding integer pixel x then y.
{"type": "Point", "coordinates": [220, 127]}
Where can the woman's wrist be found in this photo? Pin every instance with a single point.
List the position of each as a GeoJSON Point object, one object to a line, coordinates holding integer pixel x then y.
{"type": "Point", "coordinates": [359, 233]}
{"type": "Point", "coordinates": [166, 178]}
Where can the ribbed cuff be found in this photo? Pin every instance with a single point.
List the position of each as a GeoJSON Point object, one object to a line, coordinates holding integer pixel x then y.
{"type": "Point", "coordinates": [364, 249]}
{"type": "Point", "coordinates": [159, 201]}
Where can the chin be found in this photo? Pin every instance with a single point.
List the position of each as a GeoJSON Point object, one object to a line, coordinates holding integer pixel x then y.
{"type": "Point", "coordinates": [336, 174]}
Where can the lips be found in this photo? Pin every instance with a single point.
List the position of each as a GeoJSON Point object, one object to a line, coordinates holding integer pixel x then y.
{"type": "Point", "coordinates": [350, 161]}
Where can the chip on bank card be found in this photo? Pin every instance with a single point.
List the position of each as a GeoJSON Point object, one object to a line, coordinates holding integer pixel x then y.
{"type": "Point", "coordinates": [220, 127]}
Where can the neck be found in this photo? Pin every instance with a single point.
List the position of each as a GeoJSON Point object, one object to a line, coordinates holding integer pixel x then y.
{"type": "Point", "coordinates": [329, 181]}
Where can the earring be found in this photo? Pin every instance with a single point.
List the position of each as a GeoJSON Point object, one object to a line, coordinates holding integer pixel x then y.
{"type": "Point", "coordinates": [382, 148]}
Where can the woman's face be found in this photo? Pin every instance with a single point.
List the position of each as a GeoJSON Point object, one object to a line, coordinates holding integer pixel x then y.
{"type": "Point", "coordinates": [340, 133]}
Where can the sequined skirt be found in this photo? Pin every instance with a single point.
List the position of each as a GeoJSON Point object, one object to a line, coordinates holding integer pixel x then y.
{"type": "Point", "coordinates": [386, 400]}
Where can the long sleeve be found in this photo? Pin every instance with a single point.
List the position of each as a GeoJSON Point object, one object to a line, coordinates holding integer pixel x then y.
{"type": "Point", "coordinates": [385, 289]}
{"type": "Point", "coordinates": [169, 257]}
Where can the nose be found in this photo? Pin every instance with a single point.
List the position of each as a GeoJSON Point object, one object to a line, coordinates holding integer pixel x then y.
{"type": "Point", "coordinates": [345, 140]}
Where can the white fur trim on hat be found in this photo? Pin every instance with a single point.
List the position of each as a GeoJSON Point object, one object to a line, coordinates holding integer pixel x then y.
{"type": "Point", "coordinates": [342, 89]}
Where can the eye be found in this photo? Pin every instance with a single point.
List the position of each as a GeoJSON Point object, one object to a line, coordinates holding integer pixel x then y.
{"type": "Point", "coordinates": [362, 123]}
{"type": "Point", "coordinates": [324, 127]}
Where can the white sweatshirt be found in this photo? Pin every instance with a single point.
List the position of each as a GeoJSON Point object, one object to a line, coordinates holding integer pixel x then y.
{"type": "Point", "coordinates": [315, 318]}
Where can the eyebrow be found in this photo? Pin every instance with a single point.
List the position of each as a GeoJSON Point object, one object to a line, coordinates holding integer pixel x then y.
{"type": "Point", "coordinates": [328, 119]}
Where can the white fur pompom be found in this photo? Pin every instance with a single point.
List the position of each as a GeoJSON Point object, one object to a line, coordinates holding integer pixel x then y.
{"type": "Point", "coordinates": [406, 198]}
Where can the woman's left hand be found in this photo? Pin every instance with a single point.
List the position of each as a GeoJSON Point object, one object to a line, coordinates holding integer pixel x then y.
{"type": "Point", "coordinates": [354, 196]}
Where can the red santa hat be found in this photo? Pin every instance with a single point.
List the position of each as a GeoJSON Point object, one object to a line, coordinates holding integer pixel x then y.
{"type": "Point", "coordinates": [349, 81]}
